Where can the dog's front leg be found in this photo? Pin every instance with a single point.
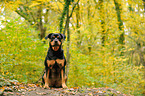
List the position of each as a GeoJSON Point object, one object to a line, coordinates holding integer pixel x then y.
{"type": "Point", "coordinates": [63, 79]}
{"type": "Point", "coordinates": [50, 64]}
{"type": "Point", "coordinates": [46, 78]}
{"type": "Point", "coordinates": [61, 65]}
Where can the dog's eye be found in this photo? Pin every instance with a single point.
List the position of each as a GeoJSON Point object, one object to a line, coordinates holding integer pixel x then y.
{"type": "Point", "coordinates": [58, 37]}
{"type": "Point", "coordinates": [53, 37]}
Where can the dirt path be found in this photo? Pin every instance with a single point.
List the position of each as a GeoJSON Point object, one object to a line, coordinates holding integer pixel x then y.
{"type": "Point", "coordinates": [36, 90]}
{"type": "Point", "coordinates": [14, 88]}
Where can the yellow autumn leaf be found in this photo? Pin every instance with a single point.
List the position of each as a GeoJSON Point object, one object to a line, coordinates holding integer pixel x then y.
{"type": "Point", "coordinates": [34, 4]}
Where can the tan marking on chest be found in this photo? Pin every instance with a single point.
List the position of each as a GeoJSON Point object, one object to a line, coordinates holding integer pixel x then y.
{"type": "Point", "coordinates": [50, 62]}
{"type": "Point", "coordinates": [60, 61]}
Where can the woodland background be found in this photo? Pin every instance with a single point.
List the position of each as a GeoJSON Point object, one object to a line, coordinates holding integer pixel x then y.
{"type": "Point", "coordinates": [105, 44]}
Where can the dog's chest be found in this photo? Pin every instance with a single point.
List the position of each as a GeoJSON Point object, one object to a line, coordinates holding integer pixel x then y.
{"type": "Point", "coordinates": [55, 72]}
{"type": "Point", "coordinates": [55, 69]}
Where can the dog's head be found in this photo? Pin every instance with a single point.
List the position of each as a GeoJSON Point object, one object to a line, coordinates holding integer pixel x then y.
{"type": "Point", "coordinates": [55, 40]}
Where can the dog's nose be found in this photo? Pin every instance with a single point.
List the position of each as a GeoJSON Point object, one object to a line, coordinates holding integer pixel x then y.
{"type": "Point", "coordinates": [55, 41]}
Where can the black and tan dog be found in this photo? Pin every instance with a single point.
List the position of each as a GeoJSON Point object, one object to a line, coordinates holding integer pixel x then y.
{"type": "Point", "coordinates": [55, 62]}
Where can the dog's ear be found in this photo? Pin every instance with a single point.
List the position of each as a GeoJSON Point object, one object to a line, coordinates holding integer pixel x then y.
{"type": "Point", "coordinates": [63, 36]}
{"type": "Point", "coordinates": [48, 36]}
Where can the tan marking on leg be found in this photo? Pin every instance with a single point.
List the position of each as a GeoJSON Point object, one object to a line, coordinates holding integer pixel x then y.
{"type": "Point", "coordinates": [46, 79]}
{"type": "Point", "coordinates": [63, 80]}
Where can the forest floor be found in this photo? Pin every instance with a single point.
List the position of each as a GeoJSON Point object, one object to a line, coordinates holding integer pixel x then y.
{"type": "Point", "coordinates": [14, 88]}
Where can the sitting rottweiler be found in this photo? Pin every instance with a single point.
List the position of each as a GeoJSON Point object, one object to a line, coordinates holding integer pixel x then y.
{"type": "Point", "coordinates": [54, 75]}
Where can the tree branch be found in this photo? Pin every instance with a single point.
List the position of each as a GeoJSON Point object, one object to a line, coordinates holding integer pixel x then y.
{"type": "Point", "coordinates": [24, 15]}
{"type": "Point", "coordinates": [73, 8]}
{"type": "Point", "coordinates": [46, 16]}
{"type": "Point", "coordinates": [62, 17]}
{"type": "Point", "coordinates": [32, 15]}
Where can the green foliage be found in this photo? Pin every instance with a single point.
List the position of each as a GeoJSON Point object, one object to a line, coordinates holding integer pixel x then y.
{"type": "Point", "coordinates": [22, 55]}
{"type": "Point", "coordinates": [105, 70]}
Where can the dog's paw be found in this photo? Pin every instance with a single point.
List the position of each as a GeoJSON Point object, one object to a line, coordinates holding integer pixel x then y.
{"type": "Point", "coordinates": [64, 86]}
{"type": "Point", "coordinates": [46, 87]}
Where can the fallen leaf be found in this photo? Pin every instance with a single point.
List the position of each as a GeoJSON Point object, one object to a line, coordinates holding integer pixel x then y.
{"type": "Point", "coordinates": [17, 93]}
{"type": "Point", "coordinates": [118, 92]}
{"type": "Point", "coordinates": [76, 87]}
{"type": "Point", "coordinates": [95, 88]}
{"type": "Point", "coordinates": [41, 93]}
{"type": "Point", "coordinates": [10, 93]}
{"type": "Point", "coordinates": [23, 93]}
{"type": "Point", "coordinates": [72, 93]}
{"type": "Point", "coordinates": [37, 85]}
{"type": "Point", "coordinates": [8, 89]}
{"type": "Point", "coordinates": [89, 89]}
{"type": "Point", "coordinates": [104, 91]}
{"type": "Point", "coordinates": [32, 89]}
{"type": "Point", "coordinates": [2, 88]}
{"type": "Point", "coordinates": [71, 89]}
{"type": "Point", "coordinates": [22, 87]}
{"type": "Point", "coordinates": [31, 85]}
{"type": "Point", "coordinates": [65, 91]}
{"type": "Point", "coordinates": [90, 94]}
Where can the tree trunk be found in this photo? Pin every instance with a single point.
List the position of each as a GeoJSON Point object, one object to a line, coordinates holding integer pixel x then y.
{"type": "Point", "coordinates": [78, 24]}
{"type": "Point", "coordinates": [63, 16]}
{"type": "Point", "coordinates": [102, 18]}
{"type": "Point", "coordinates": [144, 17]}
{"type": "Point", "coordinates": [68, 39]}
{"type": "Point", "coordinates": [144, 5]}
{"type": "Point", "coordinates": [66, 12]}
{"type": "Point", "coordinates": [89, 27]}
{"type": "Point", "coordinates": [120, 25]}
{"type": "Point", "coordinates": [40, 23]}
